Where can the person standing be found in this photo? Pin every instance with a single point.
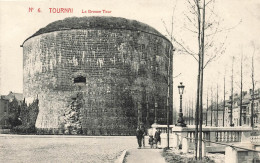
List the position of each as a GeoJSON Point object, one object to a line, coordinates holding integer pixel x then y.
{"type": "Point", "coordinates": [143, 138]}
{"type": "Point", "coordinates": [157, 137]}
{"type": "Point", "coordinates": [139, 136]}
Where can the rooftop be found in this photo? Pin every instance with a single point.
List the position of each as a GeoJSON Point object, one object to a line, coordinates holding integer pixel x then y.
{"type": "Point", "coordinates": [12, 95]}
{"type": "Point", "coordinates": [97, 22]}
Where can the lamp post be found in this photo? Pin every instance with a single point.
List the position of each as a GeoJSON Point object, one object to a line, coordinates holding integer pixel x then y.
{"type": "Point", "coordinates": [180, 121]}
{"type": "Point", "coordinates": [147, 111]}
{"type": "Point", "coordinates": [155, 112]}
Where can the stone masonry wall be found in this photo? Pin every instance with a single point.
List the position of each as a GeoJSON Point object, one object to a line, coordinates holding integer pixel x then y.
{"type": "Point", "coordinates": [126, 72]}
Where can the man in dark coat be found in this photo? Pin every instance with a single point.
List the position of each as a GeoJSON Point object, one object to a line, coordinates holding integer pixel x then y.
{"type": "Point", "coordinates": [157, 137]}
{"type": "Point", "coordinates": [139, 136]}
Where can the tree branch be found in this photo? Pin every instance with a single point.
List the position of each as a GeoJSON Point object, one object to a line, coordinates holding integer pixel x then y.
{"type": "Point", "coordinates": [209, 2]}
{"type": "Point", "coordinates": [186, 50]}
{"type": "Point", "coordinates": [177, 75]}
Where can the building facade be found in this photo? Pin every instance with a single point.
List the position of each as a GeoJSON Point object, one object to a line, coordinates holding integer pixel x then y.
{"type": "Point", "coordinates": [256, 108]}
{"type": "Point", "coordinates": [98, 75]}
{"type": "Point", "coordinates": [247, 104]}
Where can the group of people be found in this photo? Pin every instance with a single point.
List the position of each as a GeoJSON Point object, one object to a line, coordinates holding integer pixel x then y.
{"type": "Point", "coordinates": [154, 137]}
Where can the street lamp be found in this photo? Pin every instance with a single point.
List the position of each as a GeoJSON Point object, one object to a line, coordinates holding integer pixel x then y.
{"type": "Point", "coordinates": [155, 112]}
{"type": "Point", "coordinates": [180, 121]}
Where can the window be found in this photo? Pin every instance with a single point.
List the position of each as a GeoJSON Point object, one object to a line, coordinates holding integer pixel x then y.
{"type": "Point", "coordinates": [80, 79]}
{"type": "Point", "coordinates": [255, 119]}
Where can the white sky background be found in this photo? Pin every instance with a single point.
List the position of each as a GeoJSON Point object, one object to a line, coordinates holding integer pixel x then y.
{"type": "Point", "coordinates": [17, 24]}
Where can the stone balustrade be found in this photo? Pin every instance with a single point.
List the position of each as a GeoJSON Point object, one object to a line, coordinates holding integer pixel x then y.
{"type": "Point", "coordinates": [255, 139]}
{"type": "Point", "coordinates": [212, 134]}
{"type": "Point", "coordinates": [246, 139]}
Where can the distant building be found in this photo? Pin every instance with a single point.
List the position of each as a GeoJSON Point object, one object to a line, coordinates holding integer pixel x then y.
{"type": "Point", "coordinates": [236, 109]}
{"type": "Point", "coordinates": [256, 110]}
{"type": "Point", "coordinates": [4, 112]}
{"type": "Point", "coordinates": [245, 115]}
{"type": "Point", "coordinates": [12, 95]}
{"type": "Point", "coordinates": [246, 109]}
{"type": "Point", "coordinates": [227, 114]}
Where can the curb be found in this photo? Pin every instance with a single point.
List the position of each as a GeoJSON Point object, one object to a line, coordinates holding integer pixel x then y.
{"type": "Point", "coordinates": [120, 159]}
{"type": "Point", "coordinates": [63, 136]}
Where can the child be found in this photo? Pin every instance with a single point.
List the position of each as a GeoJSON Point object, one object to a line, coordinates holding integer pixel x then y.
{"type": "Point", "coordinates": [151, 141]}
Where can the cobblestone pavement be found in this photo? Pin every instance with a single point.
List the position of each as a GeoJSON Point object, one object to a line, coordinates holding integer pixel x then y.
{"type": "Point", "coordinates": [40, 148]}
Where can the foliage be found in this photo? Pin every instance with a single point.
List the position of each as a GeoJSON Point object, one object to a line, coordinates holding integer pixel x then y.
{"type": "Point", "coordinates": [24, 129]}
{"type": "Point", "coordinates": [24, 118]}
{"type": "Point", "coordinates": [14, 120]}
{"type": "Point", "coordinates": [170, 156]}
{"type": "Point", "coordinates": [14, 111]}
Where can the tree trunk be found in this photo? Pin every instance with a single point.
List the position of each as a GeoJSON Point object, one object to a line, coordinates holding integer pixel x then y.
{"type": "Point", "coordinates": [224, 103]}
{"type": "Point", "coordinates": [232, 88]}
{"type": "Point", "coordinates": [201, 85]}
{"type": "Point", "coordinates": [253, 91]}
{"type": "Point", "coordinates": [168, 98]}
{"type": "Point", "coordinates": [198, 84]}
{"type": "Point", "coordinates": [241, 91]}
{"type": "Point", "coordinates": [211, 107]}
{"type": "Point", "coordinates": [207, 109]}
{"type": "Point", "coordinates": [217, 107]}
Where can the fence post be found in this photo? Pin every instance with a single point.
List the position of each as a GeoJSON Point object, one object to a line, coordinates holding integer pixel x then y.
{"type": "Point", "coordinates": [245, 136]}
{"type": "Point", "coordinates": [231, 155]}
{"type": "Point", "coordinates": [185, 145]}
{"type": "Point", "coordinates": [212, 136]}
{"type": "Point", "coordinates": [204, 149]}
{"type": "Point", "coordinates": [175, 140]}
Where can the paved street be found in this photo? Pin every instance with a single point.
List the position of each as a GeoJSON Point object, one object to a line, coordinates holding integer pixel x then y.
{"type": "Point", "coordinates": [40, 148]}
{"type": "Point", "coordinates": [146, 155]}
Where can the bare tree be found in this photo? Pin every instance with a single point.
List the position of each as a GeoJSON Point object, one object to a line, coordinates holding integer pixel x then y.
{"type": "Point", "coordinates": [192, 111]}
{"type": "Point", "coordinates": [189, 110]}
{"type": "Point", "coordinates": [241, 89]}
{"type": "Point", "coordinates": [232, 89]}
{"type": "Point", "coordinates": [217, 107]}
{"type": "Point", "coordinates": [224, 100]}
{"type": "Point", "coordinates": [201, 79]}
{"type": "Point", "coordinates": [206, 27]}
{"type": "Point", "coordinates": [253, 87]}
{"type": "Point", "coordinates": [207, 109]}
{"type": "Point", "coordinates": [240, 86]}
{"type": "Point", "coordinates": [211, 109]}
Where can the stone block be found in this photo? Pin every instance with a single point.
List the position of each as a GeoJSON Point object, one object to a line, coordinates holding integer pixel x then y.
{"type": "Point", "coordinates": [185, 145]}
{"type": "Point", "coordinates": [231, 155]}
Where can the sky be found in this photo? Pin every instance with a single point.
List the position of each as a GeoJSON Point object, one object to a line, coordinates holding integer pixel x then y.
{"type": "Point", "coordinates": [240, 16]}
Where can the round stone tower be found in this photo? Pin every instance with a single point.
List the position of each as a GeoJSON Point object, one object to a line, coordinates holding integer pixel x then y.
{"type": "Point", "coordinates": [97, 75]}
